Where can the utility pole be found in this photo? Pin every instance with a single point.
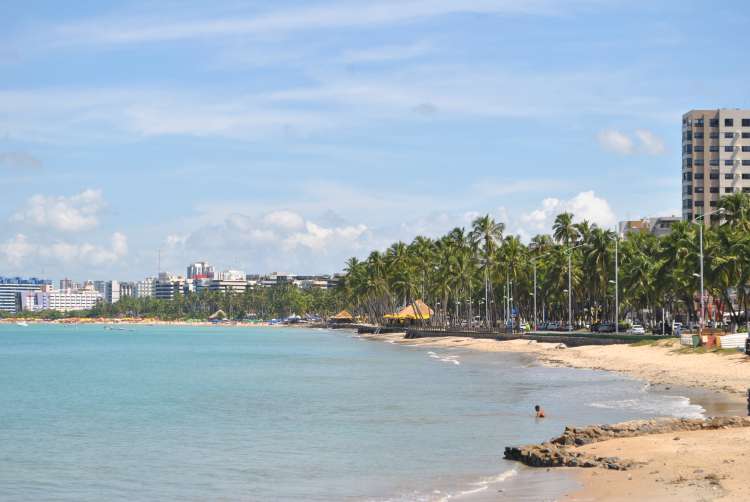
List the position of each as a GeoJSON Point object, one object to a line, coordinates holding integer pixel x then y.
{"type": "Point", "coordinates": [570, 293]}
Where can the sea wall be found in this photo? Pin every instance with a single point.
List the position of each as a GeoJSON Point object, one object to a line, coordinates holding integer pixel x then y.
{"type": "Point", "coordinates": [572, 340]}
{"type": "Point", "coordinates": [560, 451]}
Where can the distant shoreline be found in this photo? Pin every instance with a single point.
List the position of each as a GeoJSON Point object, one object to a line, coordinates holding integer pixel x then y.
{"type": "Point", "coordinates": [155, 322]}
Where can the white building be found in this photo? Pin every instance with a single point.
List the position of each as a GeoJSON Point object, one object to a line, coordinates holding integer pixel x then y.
{"type": "Point", "coordinates": [145, 288]}
{"type": "Point", "coordinates": [61, 300]}
{"type": "Point", "coordinates": [112, 294]}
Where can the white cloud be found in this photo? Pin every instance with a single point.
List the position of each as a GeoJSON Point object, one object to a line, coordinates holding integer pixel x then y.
{"type": "Point", "coordinates": [386, 53]}
{"type": "Point", "coordinates": [645, 142]}
{"type": "Point", "coordinates": [285, 219]}
{"type": "Point", "coordinates": [87, 253]}
{"type": "Point", "coordinates": [584, 206]}
{"type": "Point", "coordinates": [649, 142]}
{"type": "Point", "coordinates": [327, 16]}
{"type": "Point", "coordinates": [615, 141]}
{"type": "Point", "coordinates": [16, 249]}
{"type": "Point", "coordinates": [67, 214]}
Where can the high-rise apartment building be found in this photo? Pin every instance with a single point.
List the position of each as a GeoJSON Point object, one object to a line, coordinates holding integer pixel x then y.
{"type": "Point", "coordinates": [200, 270]}
{"type": "Point", "coordinates": [11, 289]}
{"type": "Point", "coordinates": [715, 159]}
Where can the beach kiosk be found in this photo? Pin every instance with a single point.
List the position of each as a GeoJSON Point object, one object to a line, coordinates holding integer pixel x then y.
{"type": "Point", "coordinates": [418, 311]}
{"type": "Point", "coordinates": [343, 317]}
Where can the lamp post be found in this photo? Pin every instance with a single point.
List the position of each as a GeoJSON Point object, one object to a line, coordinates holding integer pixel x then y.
{"type": "Point", "coordinates": [570, 290]}
{"type": "Point", "coordinates": [700, 240]}
{"type": "Point", "coordinates": [536, 323]}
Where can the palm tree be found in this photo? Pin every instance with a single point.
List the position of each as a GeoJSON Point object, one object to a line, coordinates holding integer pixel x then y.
{"type": "Point", "coordinates": [563, 229]}
{"type": "Point", "coordinates": [485, 234]}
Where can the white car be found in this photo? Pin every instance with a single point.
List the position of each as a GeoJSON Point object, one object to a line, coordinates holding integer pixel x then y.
{"type": "Point", "coordinates": [637, 329]}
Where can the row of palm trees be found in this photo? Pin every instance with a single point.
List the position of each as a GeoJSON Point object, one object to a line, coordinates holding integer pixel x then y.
{"type": "Point", "coordinates": [483, 276]}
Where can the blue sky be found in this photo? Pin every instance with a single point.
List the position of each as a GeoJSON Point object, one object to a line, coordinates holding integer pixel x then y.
{"type": "Point", "coordinates": [288, 136]}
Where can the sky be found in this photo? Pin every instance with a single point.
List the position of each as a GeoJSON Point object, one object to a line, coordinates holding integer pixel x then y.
{"type": "Point", "coordinates": [288, 136]}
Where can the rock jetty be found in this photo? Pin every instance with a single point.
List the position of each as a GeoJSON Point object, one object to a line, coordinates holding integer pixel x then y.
{"type": "Point", "coordinates": [561, 452]}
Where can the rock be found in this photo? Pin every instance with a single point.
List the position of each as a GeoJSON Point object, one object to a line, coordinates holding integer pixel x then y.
{"type": "Point", "coordinates": [559, 451]}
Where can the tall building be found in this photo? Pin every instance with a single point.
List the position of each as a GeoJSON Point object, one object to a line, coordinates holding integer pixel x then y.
{"type": "Point", "coordinates": [112, 292]}
{"type": "Point", "coordinates": [61, 300]}
{"type": "Point", "coordinates": [200, 270]}
{"type": "Point", "coordinates": [145, 288]}
{"type": "Point", "coordinates": [168, 286]}
{"type": "Point", "coordinates": [229, 281]}
{"type": "Point", "coordinates": [715, 159]}
{"type": "Point", "coordinates": [11, 289]}
{"type": "Point", "coordinates": [69, 284]}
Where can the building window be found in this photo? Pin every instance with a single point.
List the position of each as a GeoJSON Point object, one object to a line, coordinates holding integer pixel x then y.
{"type": "Point", "coordinates": [687, 176]}
{"type": "Point", "coordinates": [746, 162]}
{"type": "Point", "coordinates": [727, 162]}
{"type": "Point", "coordinates": [728, 122]}
{"type": "Point", "coordinates": [714, 162]}
{"type": "Point", "coordinates": [698, 148]}
{"type": "Point", "coordinates": [713, 135]}
{"type": "Point", "coordinates": [745, 189]}
{"type": "Point", "coordinates": [698, 135]}
{"type": "Point", "coordinates": [690, 216]}
{"type": "Point", "coordinates": [688, 162]}
{"type": "Point", "coordinates": [698, 189]}
{"type": "Point", "coordinates": [746, 135]}
{"type": "Point", "coordinates": [688, 148]}
{"type": "Point", "coordinates": [745, 122]}
{"type": "Point", "coordinates": [746, 176]}
{"type": "Point", "coordinates": [713, 148]}
{"type": "Point", "coordinates": [698, 163]}
{"type": "Point", "coordinates": [688, 190]}
{"type": "Point", "coordinates": [746, 148]}
{"type": "Point", "coordinates": [713, 176]}
{"type": "Point", "coordinates": [728, 148]}
{"type": "Point", "coordinates": [712, 203]}
{"type": "Point", "coordinates": [728, 176]}
{"type": "Point", "coordinates": [729, 135]}
{"type": "Point", "coordinates": [698, 176]}
{"type": "Point", "coordinates": [714, 123]}
{"type": "Point", "coordinates": [698, 123]}
{"type": "Point", "coordinates": [728, 189]}
{"type": "Point", "coordinates": [713, 189]}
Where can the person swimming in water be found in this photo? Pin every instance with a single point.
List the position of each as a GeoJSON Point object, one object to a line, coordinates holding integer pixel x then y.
{"type": "Point", "coordinates": [539, 411]}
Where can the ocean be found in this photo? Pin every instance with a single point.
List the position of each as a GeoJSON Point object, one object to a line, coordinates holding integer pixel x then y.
{"type": "Point", "coordinates": [267, 414]}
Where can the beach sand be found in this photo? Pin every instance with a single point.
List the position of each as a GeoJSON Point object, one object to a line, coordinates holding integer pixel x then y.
{"type": "Point", "coordinates": [700, 465]}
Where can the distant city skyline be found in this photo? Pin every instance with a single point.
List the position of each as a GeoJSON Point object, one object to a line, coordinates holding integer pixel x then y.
{"type": "Point", "coordinates": [291, 136]}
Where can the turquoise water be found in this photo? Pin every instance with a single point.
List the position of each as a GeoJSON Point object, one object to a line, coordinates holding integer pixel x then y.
{"type": "Point", "coordinates": [195, 413]}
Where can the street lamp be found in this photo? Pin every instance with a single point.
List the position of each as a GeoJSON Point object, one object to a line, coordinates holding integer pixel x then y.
{"type": "Point", "coordinates": [700, 233]}
{"type": "Point", "coordinates": [617, 286]}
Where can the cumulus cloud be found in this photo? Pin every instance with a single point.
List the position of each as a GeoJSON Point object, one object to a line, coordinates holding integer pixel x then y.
{"type": "Point", "coordinates": [67, 214]}
{"type": "Point", "coordinates": [16, 249]}
{"type": "Point", "coordinates": [67, 252]}
{"type": "Point", "coordinates": [584, 206]}
{"type": "Point", "coordinates": [649, 142]}
{"type": "Point", "coordinates": [20, 250]}
{"type": "Point", "coordinates": [615, 141]}
{"type": "Point", "coordinates": [641, 141]}
{"type": "Point", "coordinates": [285, 219]}
{"type": "Point", "coordinates": [19, 160]}
{"type": "Point", "coordinates": [280, 240]}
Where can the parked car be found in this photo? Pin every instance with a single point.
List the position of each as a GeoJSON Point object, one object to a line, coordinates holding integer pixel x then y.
{"type": "Point", "coordinates": [658, 329]}
{"type": "Point", "coordinates": [606, 327]}
{"type": "Point", "coordinates": [636, 329]}
{"type": "Point", "coordinates": [552, 326]}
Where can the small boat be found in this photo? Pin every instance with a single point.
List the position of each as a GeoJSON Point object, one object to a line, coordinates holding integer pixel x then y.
{"type": "Point", "coordinates": [23, 324]}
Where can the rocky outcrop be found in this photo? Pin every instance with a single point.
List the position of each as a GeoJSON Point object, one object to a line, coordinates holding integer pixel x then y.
{"type": "Point", "coordinates": [560, 451]}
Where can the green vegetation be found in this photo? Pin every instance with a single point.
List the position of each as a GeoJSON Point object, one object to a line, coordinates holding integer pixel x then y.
{"type": "Point", "coordinates": [262, 303]}
{"type": "Point", "coordinates": [455, 273]}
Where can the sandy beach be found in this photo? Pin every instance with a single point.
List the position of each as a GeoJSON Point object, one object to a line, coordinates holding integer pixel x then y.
{"type": "Point", "coordinates": [699, 465]}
